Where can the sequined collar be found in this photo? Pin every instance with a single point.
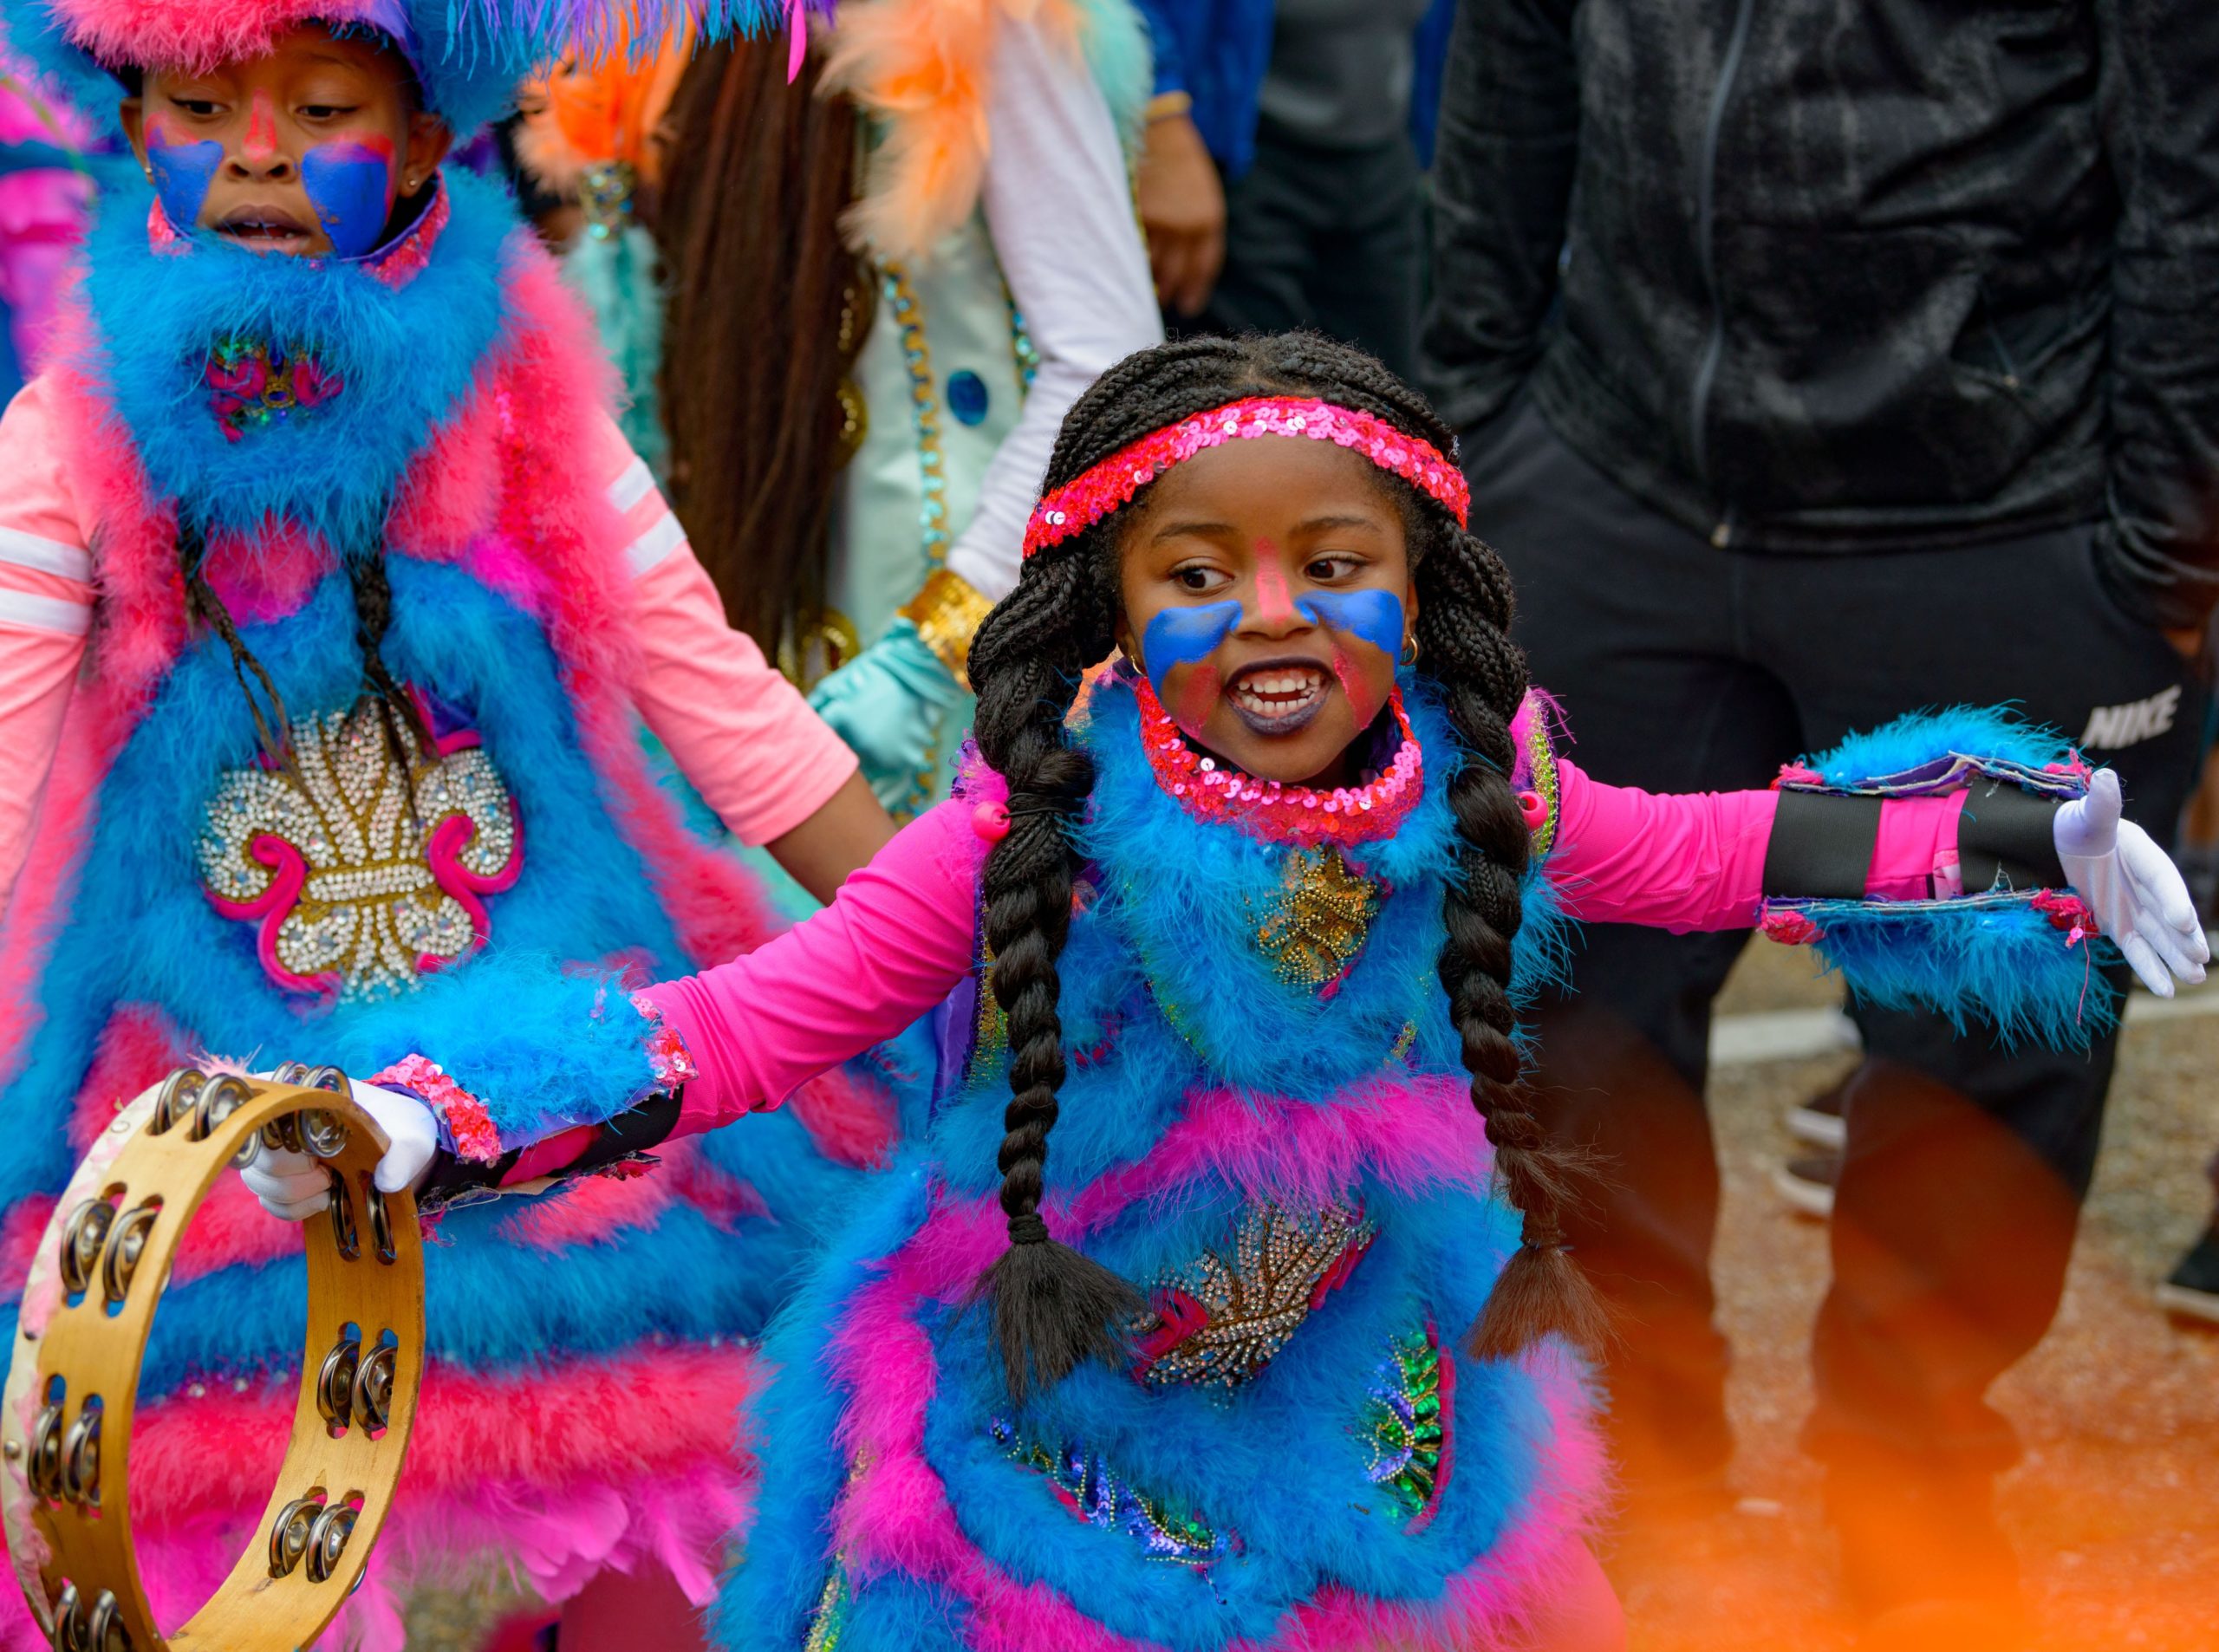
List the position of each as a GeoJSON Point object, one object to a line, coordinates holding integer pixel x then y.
{"type": "Point", "coordinates": [396, 264]}
{"type": "Point", "coordinates": [1299, 814]}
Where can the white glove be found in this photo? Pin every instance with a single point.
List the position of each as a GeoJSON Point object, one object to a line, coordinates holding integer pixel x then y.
{"type": "Point", "coordinates": [2133, 887]}
{"type": "Point", "coordinates": [294, 1186]}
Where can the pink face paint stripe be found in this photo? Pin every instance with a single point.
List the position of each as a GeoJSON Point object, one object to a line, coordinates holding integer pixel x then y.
{"type": "Point", "coordinates": [261, 140]}
{"type": "Point", "coordinates": [1274, 604]}
{"type": "Point", "coordinates": [1198, 698]}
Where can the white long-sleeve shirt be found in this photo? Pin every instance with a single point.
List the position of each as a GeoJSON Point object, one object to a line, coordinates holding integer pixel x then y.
{"type": "Point", "coordinates": [1059, 207]}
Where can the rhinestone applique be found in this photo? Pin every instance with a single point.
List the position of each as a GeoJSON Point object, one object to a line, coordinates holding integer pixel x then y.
{"type": "Point", "coordinates": [1222, 1321]}
{"type": "Point", "coordinates": [1406, 1425]}
{"type": "Point", "coordinates": [353, 894]}
{"type": "Point", "coordinates": [1318, 923]}
{"type": "Point", "coordinates": [1085, 1484]}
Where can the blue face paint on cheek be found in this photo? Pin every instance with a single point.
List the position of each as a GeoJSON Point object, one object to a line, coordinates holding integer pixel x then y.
{"type": "Point", "coordinates": [1182, 636]}
{"type": "Point", "coordinates": [349, 183]}
{"type": "Point", "coordinates": [182, 174]}
{"type": "Point", "coordinates": [1375, 617]}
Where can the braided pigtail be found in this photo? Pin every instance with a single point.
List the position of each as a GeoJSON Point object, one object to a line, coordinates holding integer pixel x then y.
{"type": "Point", "coordinates": [398, 715]}
{"type": "Point", "coordinates": [1464, 642]}
{"type": "Point", "coordinates": [272, 730]}
{"type": "Point", "coordinates": [1052, 1306]}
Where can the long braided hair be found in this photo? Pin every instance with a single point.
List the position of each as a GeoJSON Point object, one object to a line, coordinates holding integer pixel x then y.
{"type": "Point", "coordinates": [1053, 1307]}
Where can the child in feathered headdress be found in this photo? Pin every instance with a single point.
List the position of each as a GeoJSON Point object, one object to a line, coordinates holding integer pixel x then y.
{"type": "Point", "coordinates": [331, 600]}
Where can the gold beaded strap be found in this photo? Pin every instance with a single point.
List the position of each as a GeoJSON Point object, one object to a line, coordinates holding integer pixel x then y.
{"type": "Point", "coordinates": [88, 1306]}
{"type": "Point", "coordinates": [1541, 760]}
{"type": "Point", "coordinates": [946, 611]}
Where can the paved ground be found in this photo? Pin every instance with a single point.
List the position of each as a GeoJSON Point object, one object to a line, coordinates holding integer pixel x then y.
{"type": "Point", "coordinates": [2116, 1510]}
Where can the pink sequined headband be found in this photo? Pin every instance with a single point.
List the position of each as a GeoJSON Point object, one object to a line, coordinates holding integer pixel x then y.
{"type": "Point", "coordinates": [1084, 500]}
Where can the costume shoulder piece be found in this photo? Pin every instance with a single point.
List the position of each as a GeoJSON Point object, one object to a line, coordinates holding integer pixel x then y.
{"type": "Point", "coordinates": [925, 176]}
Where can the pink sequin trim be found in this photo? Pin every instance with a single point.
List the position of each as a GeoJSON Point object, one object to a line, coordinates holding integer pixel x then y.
{"type": "Point", "coordinates": [1274, 811]}
{"type": "Point", "coordinates": [667, 1056]}
{"type": "Point", "coordinates": [1790, 927]}
{"type": "Point", "coordinates": [2067, 912]}
{"type": "Point", "coordinates": [1081, 503]}
{"type": "Point", "coordinates": [469, 1126]}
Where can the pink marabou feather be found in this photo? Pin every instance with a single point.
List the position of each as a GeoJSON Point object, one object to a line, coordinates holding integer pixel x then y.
{"type": "Point", "coordinates": [1414, 1136]}
{"type": "Point", "coordinates": [136, 1049]}
{"type": "Point", "coordinates": [565, 1469]}
{"type": "Point", "coordinates": [196, 34]}
{"type": "Point", "coordinates": [666, 1520]}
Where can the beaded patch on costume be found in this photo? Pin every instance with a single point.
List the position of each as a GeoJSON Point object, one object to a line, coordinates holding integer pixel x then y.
{"type": "Point", "coordinates": [1222, 1320]}
{"type": "Point", "coordinates": [1315, 927]}
{"type": "Point", "coordinates": [1541, 764]}
{"type": "Point", "coordinates": [253, 384]}
{"type": "Point", "coordinates": [1085, 1484]}
{"type": "Point", "coordinates": [354, 892]}
{"type": "Point", "coordinates": [1406, 1424]}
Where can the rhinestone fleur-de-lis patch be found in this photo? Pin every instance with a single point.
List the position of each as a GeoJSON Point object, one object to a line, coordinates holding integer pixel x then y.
{"type": "Point", "coordinates": [1313, 930]}
{"type": "Point", "coordinates": [352, 890]}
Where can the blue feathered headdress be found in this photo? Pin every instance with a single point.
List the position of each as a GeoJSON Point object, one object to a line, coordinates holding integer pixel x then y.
{"type": "Point", "coordinates": [468, 55]}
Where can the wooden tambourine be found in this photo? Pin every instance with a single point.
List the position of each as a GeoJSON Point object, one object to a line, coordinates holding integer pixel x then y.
{"type": "Point", "coordinates": [88, 1306]}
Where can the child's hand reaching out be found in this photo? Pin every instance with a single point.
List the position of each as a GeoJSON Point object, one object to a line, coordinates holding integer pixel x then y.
{"type": "Point", "coordinates": [2132, 885]}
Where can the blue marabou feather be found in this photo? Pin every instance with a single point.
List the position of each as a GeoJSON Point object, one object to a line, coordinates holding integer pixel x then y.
{"type": "Point", "coordinates": [1975, 731]}
{"type": "Point", "coordinates": [406, 356]}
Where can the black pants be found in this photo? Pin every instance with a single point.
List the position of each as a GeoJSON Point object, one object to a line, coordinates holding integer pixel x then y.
{"type": "Point", "coordinates": [1683, 667]}
{"type": "Point", "coordinates": [1331, 239]}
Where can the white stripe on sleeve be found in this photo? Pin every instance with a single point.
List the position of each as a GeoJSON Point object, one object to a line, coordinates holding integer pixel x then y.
{"type": "Point", "coordinates": [633, 485]}
{"type": "Point", "coordinates": [651, 547]}
{"type": "Point", "coordinates": [48, 556]}
{"type": "Point", "coordinates": [34, 613]}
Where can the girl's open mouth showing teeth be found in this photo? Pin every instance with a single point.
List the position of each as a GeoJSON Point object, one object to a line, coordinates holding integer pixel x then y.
{"type": "Point", "coordinates": [1278, 699]}
{"type": "Point", "coordinates": [263, 229]}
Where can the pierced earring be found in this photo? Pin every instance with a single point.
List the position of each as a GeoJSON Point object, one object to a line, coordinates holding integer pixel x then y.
{"type": "Point", "coordinates": [1410, 650]}
{"type": "Point", "coordinates": [408, 185]}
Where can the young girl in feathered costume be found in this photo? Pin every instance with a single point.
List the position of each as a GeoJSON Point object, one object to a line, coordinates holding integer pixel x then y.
{"type": "Point", "coordinates": [330, 601]}
{"type": "Point", "coordinates": [1266, 1356]}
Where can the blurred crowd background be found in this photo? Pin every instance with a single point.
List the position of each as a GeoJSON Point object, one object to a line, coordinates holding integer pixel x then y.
{"type": "Point", "coordinates": [1816, 362]}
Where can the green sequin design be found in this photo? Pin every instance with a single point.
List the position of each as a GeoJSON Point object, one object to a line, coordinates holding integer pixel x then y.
{"type": "Point", "coordinates": [1404, 1424]}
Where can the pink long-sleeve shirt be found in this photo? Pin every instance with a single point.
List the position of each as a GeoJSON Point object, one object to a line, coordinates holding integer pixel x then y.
{"type": "Point", "coordinates": [899, 936]}
{"type": "Point", "coordinates": [740, 731]}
